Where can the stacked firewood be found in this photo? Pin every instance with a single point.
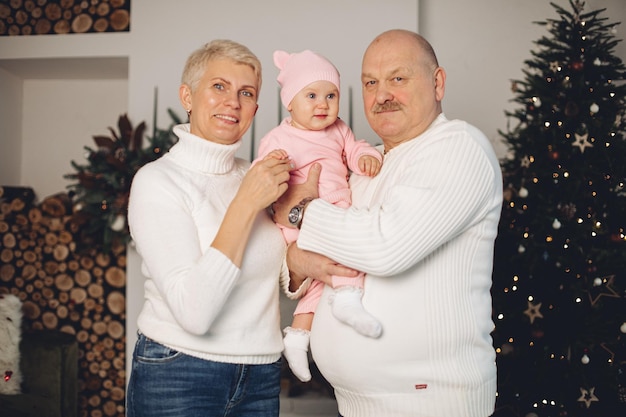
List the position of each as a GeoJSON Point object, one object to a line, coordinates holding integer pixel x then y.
{"type": "Point", "coordinates": [41, 17]}
{"type": "Point", "coordinates": [64, 286]}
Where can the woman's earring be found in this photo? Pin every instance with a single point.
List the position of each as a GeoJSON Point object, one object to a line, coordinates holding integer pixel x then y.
{"type": "Point", "coordinates": [188, 112]}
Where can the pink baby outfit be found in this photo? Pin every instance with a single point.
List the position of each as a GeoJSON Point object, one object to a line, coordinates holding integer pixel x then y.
{"type": "Point", "coordinates": [328, 148]}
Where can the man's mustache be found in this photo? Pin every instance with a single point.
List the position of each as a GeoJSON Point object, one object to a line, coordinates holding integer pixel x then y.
{"type": "Point", "coordinates": [387, 106]}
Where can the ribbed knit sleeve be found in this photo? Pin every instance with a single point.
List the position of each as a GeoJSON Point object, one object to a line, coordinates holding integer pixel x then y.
{"type": "Point", "coordinates": [431, 189]}
{"type": "Point", "coordinates": [167, 239]}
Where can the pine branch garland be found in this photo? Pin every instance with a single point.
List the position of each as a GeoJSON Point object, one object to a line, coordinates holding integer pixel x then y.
{"type": "Point", "coordinates": [100, 193]}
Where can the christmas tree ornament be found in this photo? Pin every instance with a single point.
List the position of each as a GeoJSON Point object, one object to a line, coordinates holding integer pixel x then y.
{"type": "Point", "coordinates": [556, 224]}
{"type": "Point", "coordinates": [594, 108]}
{"type": "Point", "coordinates": [585, 359]}
{"type": "Point", "coordinates": [119, 223]}
{"type": "Point", "coordinates": [525, 162]}
{"type": "Point", "coordinates": [533, 311]}
{"type": "Point", "coordinates": [523, 192]}
{"type": "Point", "coordinates": [582, 142]}
{"type": "Point", "coordinates": [587, 396]}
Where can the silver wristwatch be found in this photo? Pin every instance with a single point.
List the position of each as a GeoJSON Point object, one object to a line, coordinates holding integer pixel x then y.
{"type": "Point", "coordinates": [297, 212]}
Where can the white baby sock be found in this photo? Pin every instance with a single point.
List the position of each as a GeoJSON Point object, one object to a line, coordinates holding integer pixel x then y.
{"type": "Point", "coordinates": [296, 347]}
{"type": "Point", "coordinates": [348, 308]}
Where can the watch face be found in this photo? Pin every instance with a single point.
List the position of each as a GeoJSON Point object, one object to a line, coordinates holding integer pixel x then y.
{"type": "Point", "coordinates": [294, 215]}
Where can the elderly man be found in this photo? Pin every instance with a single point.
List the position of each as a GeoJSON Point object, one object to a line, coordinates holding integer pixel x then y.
{"type": "Point", "coordinates": [423, 231]}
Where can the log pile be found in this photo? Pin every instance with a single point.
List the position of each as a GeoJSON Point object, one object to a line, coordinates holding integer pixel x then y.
{"type": "Point", "coordinates": [42, 17]}
{"type": "Point", "coordinates": [69, 288]}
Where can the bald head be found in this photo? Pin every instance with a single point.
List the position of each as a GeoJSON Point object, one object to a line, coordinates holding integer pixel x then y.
{"type": "Point", "coordinates": [407, 39]}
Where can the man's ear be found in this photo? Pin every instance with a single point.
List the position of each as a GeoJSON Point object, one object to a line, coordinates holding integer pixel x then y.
{"type": "Point", "coordinates": [440, 83]}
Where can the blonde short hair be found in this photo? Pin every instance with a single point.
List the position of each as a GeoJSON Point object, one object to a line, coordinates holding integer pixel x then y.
{"type": "Point", "coordinates": [220, 48]}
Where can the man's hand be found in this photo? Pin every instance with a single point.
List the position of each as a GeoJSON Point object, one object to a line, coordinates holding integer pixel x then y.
{"type": "Point", "coordinates": [296, 193]}
{"type": "Point", "coordinates": [303, 264]}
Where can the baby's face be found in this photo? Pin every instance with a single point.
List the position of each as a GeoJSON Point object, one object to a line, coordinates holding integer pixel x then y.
{"type": "Point", "coordinates": [316, 106]}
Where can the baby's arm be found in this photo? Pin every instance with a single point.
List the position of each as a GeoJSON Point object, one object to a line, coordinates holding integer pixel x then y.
{"type": "Point", "coordinates": [369, 165]}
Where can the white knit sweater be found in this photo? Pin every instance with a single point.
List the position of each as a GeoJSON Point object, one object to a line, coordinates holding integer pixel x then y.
{"type": "Point", "coordinates": [196, 300]}
{"type": "Point", "coordinates": [423, 230]}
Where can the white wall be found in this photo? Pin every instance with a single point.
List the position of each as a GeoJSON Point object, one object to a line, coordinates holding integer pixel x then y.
{"type": "Point", "coordinates": [326, 26]}
{"type": "Point", "coordinates": [60, 118]}
{"type": "Point", "coordinates": [10, 133]}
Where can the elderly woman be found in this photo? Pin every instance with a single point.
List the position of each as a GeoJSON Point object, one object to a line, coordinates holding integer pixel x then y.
{"type": "Point", "coordinates": [209, 333]}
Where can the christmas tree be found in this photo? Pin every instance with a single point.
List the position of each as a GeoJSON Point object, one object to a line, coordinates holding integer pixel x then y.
{"type": "Point", "coordinates": [560, 258]}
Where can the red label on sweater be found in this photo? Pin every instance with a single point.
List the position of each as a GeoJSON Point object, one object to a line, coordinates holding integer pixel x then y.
{"type": "Point", "coordinates": [421, 386]}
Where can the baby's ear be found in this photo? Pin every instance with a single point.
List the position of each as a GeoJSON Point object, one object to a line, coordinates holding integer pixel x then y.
{"type": "Point", "coordinates": [280, 58]}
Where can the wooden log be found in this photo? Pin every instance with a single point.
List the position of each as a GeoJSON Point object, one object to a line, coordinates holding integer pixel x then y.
{"type": "Point", "coordinates": [82, 277]}
{"type": "Point", "coordinates": [8, 240]}
{"type": "Point", "coordinates": [95, 291]}
{"type": "Point", "coordinates": [31, 310]}
{"type": "Point", "coordinates": [51, 267]}
{"type": "Point", "coordinates": [34, 215]}
{"type": "Point", "coordinates": [29, 272]}
{"type": "Point", "coordinates": [78, 295]}
{"type": "Point", "coordinates": [36, 13]}
{"type": "Point", "coordinates": [86, 323]}
{"type": "Point", "coordinates": [115, 276]}
{"type": "Point", "coordinates": [62, 27]}
{"type": "Point", "coordinates": [117, 3]}
{"type": "Point", "coordinates": [116, 302]}
{"type": "Point", "coordinates": [115, 329]}
{"type": "Point", "coordinates": [82, 23]}
{"type": "Point", "coordinates": [7, 272]}
{"type": "Point", "coordinates": [50, 320]}
{"type": "Point", "coordinates": [65, 237]}
{"type": "Point", "coordinates": [120, 19]}
{"type": "Point", "coordinates": [56, 205]}
{"type": "Point", "coordinates": [53, 11]}
{"type": "Point", "coordinates": [103, 259]}
{"type": "Point", "coordinates": [6, 255]}
{"type": "Point", "coordinates": [17, 204]}
{"type": "Point", "coordinates": [65, 4]}
{"type": "Point", "coordinates": [101, 25]}
{"type": "Point", "coordinates": [63, 282]}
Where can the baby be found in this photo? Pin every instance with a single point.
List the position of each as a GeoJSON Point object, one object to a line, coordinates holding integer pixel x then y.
{"type": "Point", "coordinates": [314, 133]}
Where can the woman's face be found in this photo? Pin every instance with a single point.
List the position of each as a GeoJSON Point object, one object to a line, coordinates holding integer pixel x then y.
{"type": "Point", "coordinates": [224, 102]}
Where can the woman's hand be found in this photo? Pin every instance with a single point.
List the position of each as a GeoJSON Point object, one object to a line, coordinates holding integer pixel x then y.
{"type": "Point", "coordinates": [303, 264]}
{"type": "Point", "coordinates": [266, 180]}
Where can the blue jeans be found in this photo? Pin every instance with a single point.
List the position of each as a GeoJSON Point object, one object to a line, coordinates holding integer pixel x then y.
{"type": "Point", "coordinates": [167, 383]}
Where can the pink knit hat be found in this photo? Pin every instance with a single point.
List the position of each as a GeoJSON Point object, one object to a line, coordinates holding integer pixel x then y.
{"type": "Point", "coordinates": [301, 69]}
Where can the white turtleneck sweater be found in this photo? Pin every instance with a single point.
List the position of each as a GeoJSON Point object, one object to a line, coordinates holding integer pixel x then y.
{"type": "Point", "coordinates": [196, 300]}
{"type": "Point", "coordinates": [423, 230]}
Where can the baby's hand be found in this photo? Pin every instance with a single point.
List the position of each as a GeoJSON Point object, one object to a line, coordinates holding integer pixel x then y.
{"type": "Point", "coordinates": [369, 165]}
{"type": "Point", "coordinates": [277, 154]}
